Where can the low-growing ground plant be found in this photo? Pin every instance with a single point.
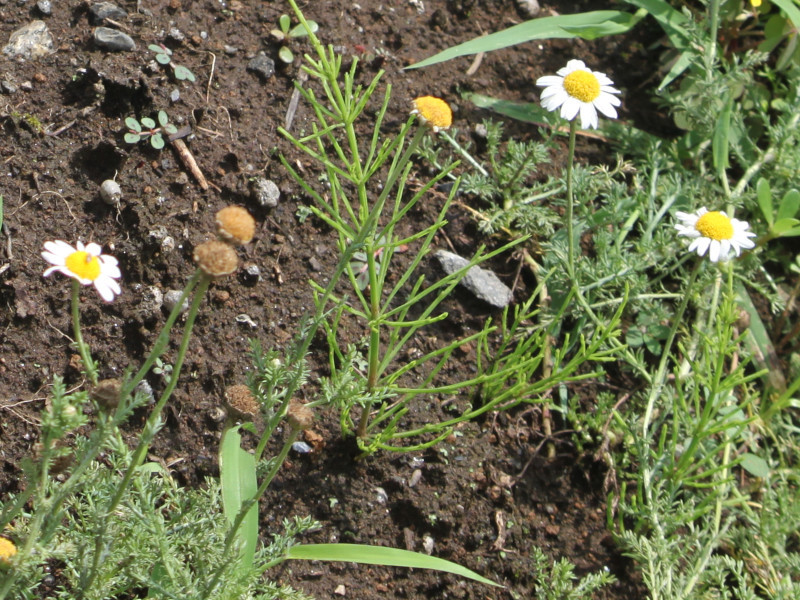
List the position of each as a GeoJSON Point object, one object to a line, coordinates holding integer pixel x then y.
{"type": "Point", "coordinates": [147, 129]}
{"type": "Point", "coordinates": [164, 57]}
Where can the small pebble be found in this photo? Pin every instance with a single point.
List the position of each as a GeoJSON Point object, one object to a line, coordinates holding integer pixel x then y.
{"type": "Point", "coordinates": [167, 244]}
{"type": "Point", "coordinates": [340, 590]}
{"type": "Point", "coordinates": [381, 496]}
{"type": "Point", "coordinates": [246, 320]}
{"type": "Point", "coordinates": [151, 300]}
{"type": "Point", "coordinates": [427, 544]}
{"type": "Point", "coordinates": [301, 447]}
{"type": "Point", "coordinates": [251, 274]}
{"type": "Point", "coordinates": [101, 11]}
{"type": "Point", "coordinates": [265, 192]}
{"type": "Point", "coordinates": [315, 265]}
{"type": "Point", "coordinates": [113, 40]}
{"type": "Point", "coordinates": [171, 300]}
{"type": "Point", "coordinates": [262, 65]}
{"type": "Point", "coordinates": [415, 478]}
{"type": "Point", "coordinates": [174, 95]}
{"type": "Point", "coordinates": [44, 7]}
{"type": "Point", "coordinates": [110, 192]}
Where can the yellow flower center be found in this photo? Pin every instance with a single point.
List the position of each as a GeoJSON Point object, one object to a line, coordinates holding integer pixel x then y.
{"type": "Point", "coordinates": [434, 111]}
{"type": "Point", "coordinates": [582, 85]}
{"type": "Point", "coordinates": [755, 3]}
{"type": "Point", "coordinates": [715, 225]}
{"type": "Point", "coordinates": [7, 550]}
{"type": "Point", "coordinates": [84, 265]}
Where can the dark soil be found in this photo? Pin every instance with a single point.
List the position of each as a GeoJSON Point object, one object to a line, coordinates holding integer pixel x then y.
{"type": "Point", "coordinates": [484, 496]}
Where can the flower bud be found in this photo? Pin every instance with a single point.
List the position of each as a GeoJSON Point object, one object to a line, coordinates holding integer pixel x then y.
{"type": "Point", "coordinates": [216, 258]}
{"type": "Point", "coordinates": [235, 225]}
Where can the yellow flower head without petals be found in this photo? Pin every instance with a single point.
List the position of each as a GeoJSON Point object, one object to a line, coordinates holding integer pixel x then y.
{"type": "Point", "coordinates": [434, 112]}
{"type": "Point", "coordinates": [7, 550]}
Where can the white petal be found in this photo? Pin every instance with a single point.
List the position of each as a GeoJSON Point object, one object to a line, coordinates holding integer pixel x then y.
{"type": "Point", "coordinates": [549, 80]}
{"type": "Point", "coordinates": [714, 251]}
{"type": "Point", "coordinates": [107, 288]}
{"type": "Point", "coordinates": [94, 249]}
{"type": "Point", "coordinates": [53, 259]}
{"type": "Point", "coordinates": [602, 79]}
{"type": "Point", "coordinates": [588, 115]}
{"type": "Point", "coordinates": [701, 244]}
{"type": "Point", "coordinates": [554, 102]}
{"type": "Point", "coordinates": [725, 249]}
{"type": "Point", "coordinates": [570, 108]}
{"type": "Point", "coordinates": [605, 107]}
{"type": "Point", "coordinates": [553, 90]}
{"type": "Point", "coordinates": [111, 271]}
{"type": "Point", "coordinates": [604, 89]}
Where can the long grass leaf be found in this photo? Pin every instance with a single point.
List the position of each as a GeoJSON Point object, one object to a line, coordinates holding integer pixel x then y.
{"type": "Point", "coordinates": [380, 555]}
{"type": "Point", "coordinates": [538, 29]}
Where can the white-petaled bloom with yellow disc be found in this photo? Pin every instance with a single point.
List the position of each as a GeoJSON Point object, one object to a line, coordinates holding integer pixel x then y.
{"type": "Point", "coordinates": [87, 264]}
{"type": "Point", "coordinates": [714, 232]}
{"type": "Point", "coordinates": [434, 112]}
{"type": "Point", "coordinates": [575, 90]}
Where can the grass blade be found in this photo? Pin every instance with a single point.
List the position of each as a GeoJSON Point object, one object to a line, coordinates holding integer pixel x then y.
{"type": "Point", "coordinates": [380, 555]}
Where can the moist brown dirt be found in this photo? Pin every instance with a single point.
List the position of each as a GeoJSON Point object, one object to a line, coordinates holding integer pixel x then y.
{"type": "Point", "coordinates": [485, 496]}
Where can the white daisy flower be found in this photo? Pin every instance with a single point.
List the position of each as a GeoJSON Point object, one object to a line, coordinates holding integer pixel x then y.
{"type": "Point", "coordinates": [575, 90]}
{"type": "Point", "coordinates": [714, 232]}
{"type": "Point", "coordinates": [86, 264]}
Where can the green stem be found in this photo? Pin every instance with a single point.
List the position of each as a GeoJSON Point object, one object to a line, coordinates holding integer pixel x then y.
{"type": "Point", "coordinates": [573, 128]}
{"type": "Point", "coordinates": [467, 156]}
{"type": "Point", "coordinates": [148, 433]}
{"type": "Point", "coordinates": [83, 349]}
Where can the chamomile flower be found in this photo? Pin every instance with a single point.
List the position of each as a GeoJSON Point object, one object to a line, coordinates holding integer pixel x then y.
{"type": "Point", "coordinates": [714, 232]}
{"type": "Point", "coordinates": [434, 112]}
{"type": "Point", "coordinates": [87, 264]}
{"type": "Point", "coordinates": [575, 90]}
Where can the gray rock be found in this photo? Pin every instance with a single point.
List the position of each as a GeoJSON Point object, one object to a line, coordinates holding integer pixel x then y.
{"type": "Point", "coordinates": [262, 65]}
{"type": "Point", "coordinates": [100, 11]}
{"type": "Point", "coordinates": [30, 42]}
{"type": "Point", "coordinates": [151, 301]}
{"type": "Point", "coordinates": [44, 7]}
{"type": "Point", "coordinates": [265, 192]}
{"type": "Point", "coordinates": [7, 86]}
{"type": "Point", "coordinates": [528, 8]}
{"type": "Point", "coordinates": [171, 300]}
{"type": "Point", "coordinates": [484, 284]}
{"type": "Point", "coordinates": [111, 39]}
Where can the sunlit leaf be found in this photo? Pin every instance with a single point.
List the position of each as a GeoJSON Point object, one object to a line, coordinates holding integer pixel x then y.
{"type": "Point", "coordinates": [380, 555]}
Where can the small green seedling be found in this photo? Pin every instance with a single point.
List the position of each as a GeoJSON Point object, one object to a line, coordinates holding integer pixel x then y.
{"type": "Point", "coordinates": [147, 128]}
{"type": "Point", "coordinates": [287, 32]}
{"type": "Point", "coordinates": [164, 57]}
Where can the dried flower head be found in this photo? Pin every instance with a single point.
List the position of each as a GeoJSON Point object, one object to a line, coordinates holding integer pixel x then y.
{"type": "Point", "coordinates": [434, 112]}
{"type": "Point", "coordinates": [235, 225]}
{"type": "Point", "coordinates": [240, 402]}
{"type": "Point", "coordinates": [576, 89]}
{"type": "Point", "coordinates": [216, 258]}
{"type": "Point", "coordinates": [7, 550]}
{"type": "Point", "coordinates": [715, 232]}
{"type": "Point", "coordinates": [300, 417]}
{"type": "Point", "coordinates": [106, 393]}
{"type": "Point", "coordinates": [86, 264]}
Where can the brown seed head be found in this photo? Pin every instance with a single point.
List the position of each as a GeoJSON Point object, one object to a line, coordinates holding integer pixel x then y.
{"type": "Point", "coordinates": [235, 225]}
{"type": "Point", "coordinates": [240, 402]}
{"type": "Point", "coordinates": [300, 417]}
{"type": "Point", "coordinates": [216, 258]}
{"type": "Point", "coordinates": [106, 393]}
